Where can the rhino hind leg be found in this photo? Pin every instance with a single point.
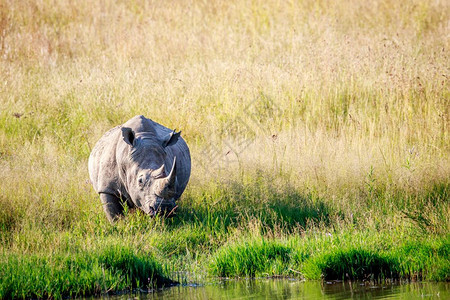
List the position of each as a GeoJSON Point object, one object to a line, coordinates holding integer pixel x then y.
{"type": "Point", "coordinates": [112, 206]}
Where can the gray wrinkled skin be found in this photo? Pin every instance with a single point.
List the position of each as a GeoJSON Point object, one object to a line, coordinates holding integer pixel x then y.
{"type": "Point", "coordinates": [142, 163]}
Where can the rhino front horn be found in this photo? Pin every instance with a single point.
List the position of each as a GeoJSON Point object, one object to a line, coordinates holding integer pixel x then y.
{"type": "Point", "coordinates": [172, 175]}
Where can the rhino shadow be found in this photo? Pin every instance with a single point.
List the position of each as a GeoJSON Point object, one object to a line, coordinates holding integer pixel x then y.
{"type": "Point", "coordinates": [237, 203]}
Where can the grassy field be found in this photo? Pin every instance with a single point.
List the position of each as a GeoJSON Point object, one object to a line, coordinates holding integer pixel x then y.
{"type": "Point", "coordinates": [319, 133]}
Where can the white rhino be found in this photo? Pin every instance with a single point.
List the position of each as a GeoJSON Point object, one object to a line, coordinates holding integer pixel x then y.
{"type": "Point", "coordinates": [128, 167]}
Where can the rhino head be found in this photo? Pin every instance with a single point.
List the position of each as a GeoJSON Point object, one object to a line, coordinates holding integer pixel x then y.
{"type": "Point", "coordinates": [149, 185]}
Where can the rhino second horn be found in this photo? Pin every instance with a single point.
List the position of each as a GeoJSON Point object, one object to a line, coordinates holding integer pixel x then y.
{"type": "Point", "coordinates": [160, 171]}
{"type": "Point", "coordinates": [166, 185]}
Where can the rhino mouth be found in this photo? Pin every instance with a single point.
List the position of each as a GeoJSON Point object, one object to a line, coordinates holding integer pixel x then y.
{"type": "Point", "coordinates": [163, 208]}
{"type": "Point", "coordinates": [151, 211]}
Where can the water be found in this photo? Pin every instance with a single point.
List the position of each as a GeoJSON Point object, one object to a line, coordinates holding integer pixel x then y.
{"type": "Point", "coordinates": [295, 289]}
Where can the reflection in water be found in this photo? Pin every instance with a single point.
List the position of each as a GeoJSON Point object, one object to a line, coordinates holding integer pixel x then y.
{"type": "Point", "coordinates": [294, 289]}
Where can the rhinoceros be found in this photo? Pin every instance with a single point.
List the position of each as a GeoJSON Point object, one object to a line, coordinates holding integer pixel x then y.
{"type": "Point", "coordinates": [128, 167]}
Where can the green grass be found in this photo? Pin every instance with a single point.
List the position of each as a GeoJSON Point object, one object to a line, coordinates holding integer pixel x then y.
{"type": "Point", "coordinates": [330, 123]}
{"type": "Point", "coordinates": [76, 274]}
{"type": "Point", "coordinates": [249, 259]}
{"type": "Point", "coordinates": [345, 256]}
{"type": "Point", "coordinates": [228, 229]}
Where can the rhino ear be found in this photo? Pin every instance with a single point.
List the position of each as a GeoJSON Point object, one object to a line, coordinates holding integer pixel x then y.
{"type": "Point", "coordinates": [128, 135]}
{"type": "Point", "coordinates": [171, 138]}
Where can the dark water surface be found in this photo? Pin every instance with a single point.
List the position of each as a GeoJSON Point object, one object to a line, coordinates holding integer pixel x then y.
{"type": "Point", "coordinates": [295, 289]}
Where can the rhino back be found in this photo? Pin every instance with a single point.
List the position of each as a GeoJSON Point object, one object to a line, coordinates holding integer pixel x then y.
{"type": "Point", "coordinates": [103, 170]}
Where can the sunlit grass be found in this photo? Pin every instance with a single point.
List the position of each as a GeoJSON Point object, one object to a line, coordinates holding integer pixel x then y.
{"type": "Point", "coordinates": [78, 273]}
{"type": "Point", "coordinates": [303, 118]}
{"type": "Point", "coordinates": [345, 256]}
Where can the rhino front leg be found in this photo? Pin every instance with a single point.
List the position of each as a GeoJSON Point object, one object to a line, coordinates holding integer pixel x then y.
{"type": "Point", "coordinates": [112, 206]}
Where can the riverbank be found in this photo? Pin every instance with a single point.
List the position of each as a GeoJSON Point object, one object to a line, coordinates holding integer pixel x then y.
{"type": "Point", "coordinates": [227, 238]}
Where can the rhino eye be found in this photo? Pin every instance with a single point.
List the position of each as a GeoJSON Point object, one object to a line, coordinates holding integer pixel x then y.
{"type": "Point", "coordinates": [141, 181]}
